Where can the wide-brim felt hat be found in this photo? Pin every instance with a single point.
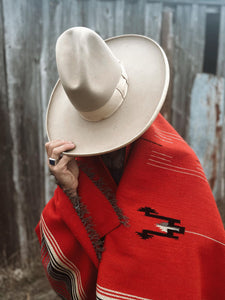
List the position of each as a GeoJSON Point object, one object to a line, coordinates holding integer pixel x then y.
{"type": "Point", "coordinates": [108, 93]}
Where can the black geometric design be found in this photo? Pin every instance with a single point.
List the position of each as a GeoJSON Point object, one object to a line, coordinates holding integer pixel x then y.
{"type": "Point", "coordinates": [169, 226]}
{"type": "Point", "coordinates": [145, 234]}
{"type": "Point", "coordinates": [148, 210]}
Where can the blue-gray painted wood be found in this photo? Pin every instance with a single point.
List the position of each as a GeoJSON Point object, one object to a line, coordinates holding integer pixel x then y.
{"type": "Point", "coordinates": [22, 57]}
{"type": "Point", "coordinates": [9, 238]}
{"type": "Point", "coordinates": [167, 42]}
{"type": "Point", "coordinates": [153, 20]}
{"type": "Point", "coordinates": [221, 49]}
{"type": "Point", "coordinates": [200, 2]}
{"type": "Point", "coordinates": [134, 13]}
{"type": "Point", "coordinates": [188, 59]}
{"type": "Point", "coordinates": [105, 22]}
{"type": "Point", "coordinates": [205, 128]}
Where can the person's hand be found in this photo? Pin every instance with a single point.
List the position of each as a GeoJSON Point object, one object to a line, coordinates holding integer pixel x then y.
{"type": "Point", "coordinates": [66, 171]}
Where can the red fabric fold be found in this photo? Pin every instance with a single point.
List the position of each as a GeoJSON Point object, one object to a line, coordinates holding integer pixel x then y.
{"type": "Point", "coordinates": [99, 207]}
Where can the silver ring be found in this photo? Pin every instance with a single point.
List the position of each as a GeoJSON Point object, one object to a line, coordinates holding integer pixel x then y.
{"type": "Point", "coordinates": [52, 161]}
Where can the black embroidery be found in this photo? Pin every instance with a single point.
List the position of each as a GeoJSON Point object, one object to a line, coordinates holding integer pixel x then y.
{"type": "Point", "coordinates": [168, 227]}
{"type": "Point", "coordinates": [145, 234]}
{"type": "Point", "coordinates": [148, 211]}
{"type": "Point", "coordinates": [86, 219]}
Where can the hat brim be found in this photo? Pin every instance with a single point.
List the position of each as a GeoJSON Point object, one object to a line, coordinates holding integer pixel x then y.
{"type": "Point", "coordinates": [148, 78]}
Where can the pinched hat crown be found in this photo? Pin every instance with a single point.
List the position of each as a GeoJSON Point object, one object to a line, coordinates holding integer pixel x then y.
{"type": "Point", "coordinates": [120, 84]}
{"type": "Point", "coordinates": [94, 80]}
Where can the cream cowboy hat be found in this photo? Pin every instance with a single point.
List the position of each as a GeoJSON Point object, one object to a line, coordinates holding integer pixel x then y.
{"type": "Point", "coordinates": [108, 92]}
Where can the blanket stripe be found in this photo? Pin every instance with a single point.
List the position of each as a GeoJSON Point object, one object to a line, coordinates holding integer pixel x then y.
{"type": "Point", "coordinates": [59, 267]}
{"type": "Point", "coordinates": [107, 294]}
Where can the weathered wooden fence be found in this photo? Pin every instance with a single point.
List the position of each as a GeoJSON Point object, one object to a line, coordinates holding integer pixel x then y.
{"type": "Point", "coordinates": [28, 32]}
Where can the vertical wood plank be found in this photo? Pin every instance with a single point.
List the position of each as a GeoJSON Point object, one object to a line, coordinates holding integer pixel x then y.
{"type": "Point", "coordinates": [167, 42]}
{"type": "Point", "coordinates": [207, 116]}
{"type": "Point", "coordinates": [8, 232]}
{"type": "Point", "coordinates": [153, 20]}
{"type": "Point", "coordinates": [119, 17]}
{"type": "Point", "coordinates": [221, 49]}
{"type": "Point", "coordinates": [15, 43]}
{"type": "Point", "coordinates": [31, 111]}
{"type": "Point", "coordinates": [133, 16]}
{"type": "Point", "coordinates": [23, 77]}
{"type": "Point", "coordinates": [88, 13]}
{"type": "Point", "coordinates": [105, 18]}
{"type": "Point", "coordinates": [188, 59]}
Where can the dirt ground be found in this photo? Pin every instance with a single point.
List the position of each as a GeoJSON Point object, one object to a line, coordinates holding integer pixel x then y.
{"type": "Point", "coordinates": [27, 284]}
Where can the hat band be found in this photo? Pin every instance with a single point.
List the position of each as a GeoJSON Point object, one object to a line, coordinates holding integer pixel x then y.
{"type": "Point", "coordinates": [112, 104]}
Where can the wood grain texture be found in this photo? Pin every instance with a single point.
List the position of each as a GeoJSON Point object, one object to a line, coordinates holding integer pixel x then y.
{"type": "Point", "coordinates": [134, 17]}
{"type": "Point", "coordinates": [22, 49]}
{"type": "Point", "coordinates": [183, 2]}
{"type": "Point", "coordinates": [188, 59]}
{"type": "Point", "coordinates": [221, 49]}
{"type": "Point", "coordinates": [8, 234]}
{"type": "Point", "coordinates": [105, 21]}
{"type": "Point", "coordinates": [119, 16]}
{"type": "Point", "coordinates": [206, 128]}
{"type": "Point", "coordinates": [153, 20]}
{"type": "Point", "coordinates": [167, 42]}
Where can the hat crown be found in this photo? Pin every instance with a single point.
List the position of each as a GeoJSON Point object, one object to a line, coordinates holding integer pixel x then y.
{"type": "Point", "coordinates": [88, 70]}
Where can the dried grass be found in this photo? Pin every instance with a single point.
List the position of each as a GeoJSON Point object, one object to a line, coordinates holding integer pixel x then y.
{"type": "Point", "coordinates": [25, 282]}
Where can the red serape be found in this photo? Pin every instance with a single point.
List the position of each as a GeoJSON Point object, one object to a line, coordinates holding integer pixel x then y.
{"type": "Point", "coordinates": [173, 246]}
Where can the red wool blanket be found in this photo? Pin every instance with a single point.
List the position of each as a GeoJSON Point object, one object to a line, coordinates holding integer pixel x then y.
{"type": "Point", "coordinates": [158, 235]}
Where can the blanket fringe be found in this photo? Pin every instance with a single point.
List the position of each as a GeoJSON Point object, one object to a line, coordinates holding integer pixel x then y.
{"type": "Point", "coordinates": [107, 192]}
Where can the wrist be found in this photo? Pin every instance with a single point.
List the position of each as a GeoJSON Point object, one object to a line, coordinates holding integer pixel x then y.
{"type": "Point", "coordinates": [70, 192]}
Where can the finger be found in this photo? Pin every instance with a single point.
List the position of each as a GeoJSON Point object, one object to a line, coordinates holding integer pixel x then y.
{"type": "Point", "coordinates": [65, 160]}
{"type": "Point", "coordinates": [52, 144]}
{"type": "Point", "coordinates": [58, 150]}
